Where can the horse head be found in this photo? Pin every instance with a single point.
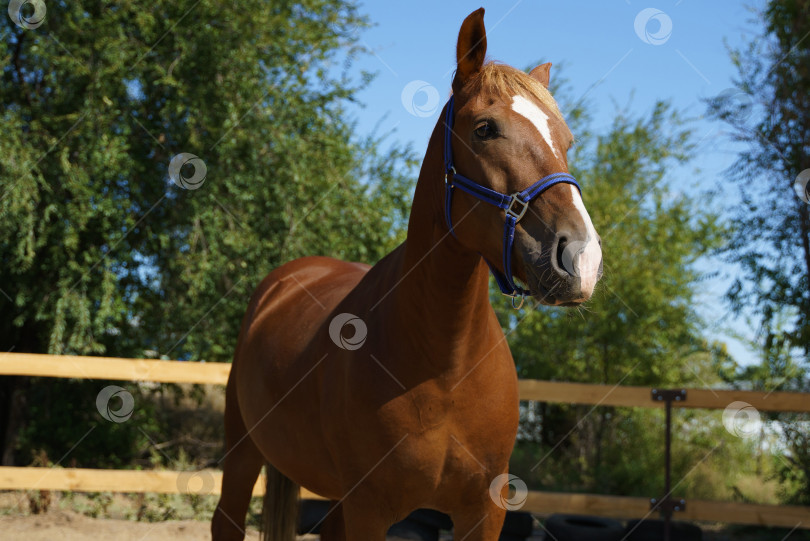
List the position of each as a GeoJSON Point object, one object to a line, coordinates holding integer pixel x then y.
{"type": "Point", "coordinates": [505, 137]}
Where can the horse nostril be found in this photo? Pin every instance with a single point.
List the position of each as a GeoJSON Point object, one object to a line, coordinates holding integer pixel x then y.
{"type": "Point", "coordinates": [561, 243]}
{"type": "Point", "coordinates": [569, 252]}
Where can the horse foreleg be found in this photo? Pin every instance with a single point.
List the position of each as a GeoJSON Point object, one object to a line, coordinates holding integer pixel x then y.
{"type": "Point", "coordinates": [333, 528]}
{"type": "Point", "coordinates": [482, 524]}
{"type": "Point", "coordinates": [362, 523]}
{"type": "Point", "coordinates": [241, 467]}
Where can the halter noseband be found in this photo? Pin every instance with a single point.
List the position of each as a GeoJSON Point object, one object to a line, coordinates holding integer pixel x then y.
{"type": "Point", "coordinates": [515, 205]}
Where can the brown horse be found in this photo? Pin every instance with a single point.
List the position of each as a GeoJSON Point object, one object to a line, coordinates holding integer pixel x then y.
{"type": "Point", "coordinates": [418, 407]}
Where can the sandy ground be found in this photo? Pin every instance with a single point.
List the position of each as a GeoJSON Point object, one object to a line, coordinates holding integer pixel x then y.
{"type": "Point", "coordinates": [69, 526]}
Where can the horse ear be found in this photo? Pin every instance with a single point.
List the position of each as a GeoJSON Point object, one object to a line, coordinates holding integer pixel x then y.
{"type": "Point", "coordinates": [541, 73]}
{"type": "Point", "coordinates": [471, 48]}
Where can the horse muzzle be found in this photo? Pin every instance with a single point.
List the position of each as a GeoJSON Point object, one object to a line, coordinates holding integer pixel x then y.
{"type": "Point", "coordinates": [566, 272]}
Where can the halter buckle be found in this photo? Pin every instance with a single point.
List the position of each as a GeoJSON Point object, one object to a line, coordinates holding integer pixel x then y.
{"type": "Point", "coordinates": [450, 169]}
{"type": "Point", "coordinates": [510, 211]}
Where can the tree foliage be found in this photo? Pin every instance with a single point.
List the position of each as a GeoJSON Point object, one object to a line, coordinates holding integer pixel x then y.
{"type": "Point", "coordinates": [101, 252]}
{"type": "Point", "coordinates": [770, 117]}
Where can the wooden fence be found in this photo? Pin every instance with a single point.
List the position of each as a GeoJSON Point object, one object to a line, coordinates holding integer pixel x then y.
{"type": "Point", "coordinates": [209, 481]}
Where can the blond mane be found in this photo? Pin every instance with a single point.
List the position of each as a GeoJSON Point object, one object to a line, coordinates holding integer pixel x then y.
{"type": "Point", "coordinates": [506, 82]}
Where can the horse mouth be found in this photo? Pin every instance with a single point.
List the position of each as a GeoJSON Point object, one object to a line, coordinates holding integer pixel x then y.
{"type": "Point", "coordinates": [546, 296]}
{"type": "Point", "coordinates": [539, 291]}
{"type": "Point", "coordinates": [556, 294]}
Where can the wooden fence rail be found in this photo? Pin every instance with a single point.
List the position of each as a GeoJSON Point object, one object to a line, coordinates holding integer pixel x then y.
{"type": "Point", "coordinates": [64, 366]}
{"type": "Point", "coordinates": [209, 481]}
{"type": "Point", "coordinates": [68, 366]}
{"type": "Point", "coordinates": [542, 503]}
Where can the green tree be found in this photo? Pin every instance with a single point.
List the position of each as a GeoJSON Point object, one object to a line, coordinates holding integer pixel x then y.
{"type": "Point", "coordinates": [101, 252]}
{"type": "Point", "coordinates": [769, 117]}
{"type": "Point", "coordinates": [641, 327]}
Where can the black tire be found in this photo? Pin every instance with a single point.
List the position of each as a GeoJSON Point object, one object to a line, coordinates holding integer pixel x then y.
{"type": "Point", "coordinates": [518, 523]}
{"type": "Point", "coordinates": [653, 530]}
{"type": "Point", "coordinates": [583, 528]}
{"type": "Point", "coordinates": [511, 537]}
{"type": "Point", "coordinates": [310, 515]}
{"type": "Point", "coordinates": [431, 517]}
{"type": "Point", "coordinates": [412, 530]}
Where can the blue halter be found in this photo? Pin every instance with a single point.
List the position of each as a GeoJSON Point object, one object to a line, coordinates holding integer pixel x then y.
{"type": "Point", "coordinates": [515, 205]}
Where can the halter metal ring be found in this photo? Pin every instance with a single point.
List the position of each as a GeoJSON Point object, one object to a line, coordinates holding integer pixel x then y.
{"type": "Point", "coordinates": [514, 295]}
{"type": "Point", "coordinates": [517, 215]}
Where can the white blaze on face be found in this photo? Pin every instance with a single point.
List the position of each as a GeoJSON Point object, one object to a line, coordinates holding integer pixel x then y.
{"type": "Point", "coordinates": [589, 257]}
{"type": "Point", "coordinates": [536, 116]}
{"type": "Point", "coordinates": [579, 258]}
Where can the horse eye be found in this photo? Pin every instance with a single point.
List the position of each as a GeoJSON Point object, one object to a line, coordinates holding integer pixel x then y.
{"type": "Point", "coordinates": [485, 131]}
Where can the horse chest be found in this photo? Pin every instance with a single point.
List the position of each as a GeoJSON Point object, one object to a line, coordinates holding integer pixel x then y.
{"type": "Point", "coordinates": [429, 411]}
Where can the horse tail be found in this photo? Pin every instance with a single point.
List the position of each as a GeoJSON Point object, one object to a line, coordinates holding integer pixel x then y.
{"type": "Point", "coordinates": [280, 508]}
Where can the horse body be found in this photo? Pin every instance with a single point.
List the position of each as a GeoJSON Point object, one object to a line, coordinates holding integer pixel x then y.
{"type": "Point", "coordinates": [302, 395]}
{"type": "Point", "coordinates": [424, 412]}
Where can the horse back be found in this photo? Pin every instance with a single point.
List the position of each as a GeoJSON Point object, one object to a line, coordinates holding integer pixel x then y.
{"type": "Point", "coordinates": [289, 306]}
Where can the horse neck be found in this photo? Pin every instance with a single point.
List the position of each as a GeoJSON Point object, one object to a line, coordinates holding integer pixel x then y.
{"type": "Point", "coordinates": [443, 293]}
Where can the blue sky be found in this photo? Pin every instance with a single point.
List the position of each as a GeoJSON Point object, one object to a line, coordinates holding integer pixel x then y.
{"type": "Point", "coordinates": [618, 52]}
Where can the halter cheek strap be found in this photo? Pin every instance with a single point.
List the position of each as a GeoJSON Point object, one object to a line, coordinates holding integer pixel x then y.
{"type": "Point", "coordinates": [515, 205]}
